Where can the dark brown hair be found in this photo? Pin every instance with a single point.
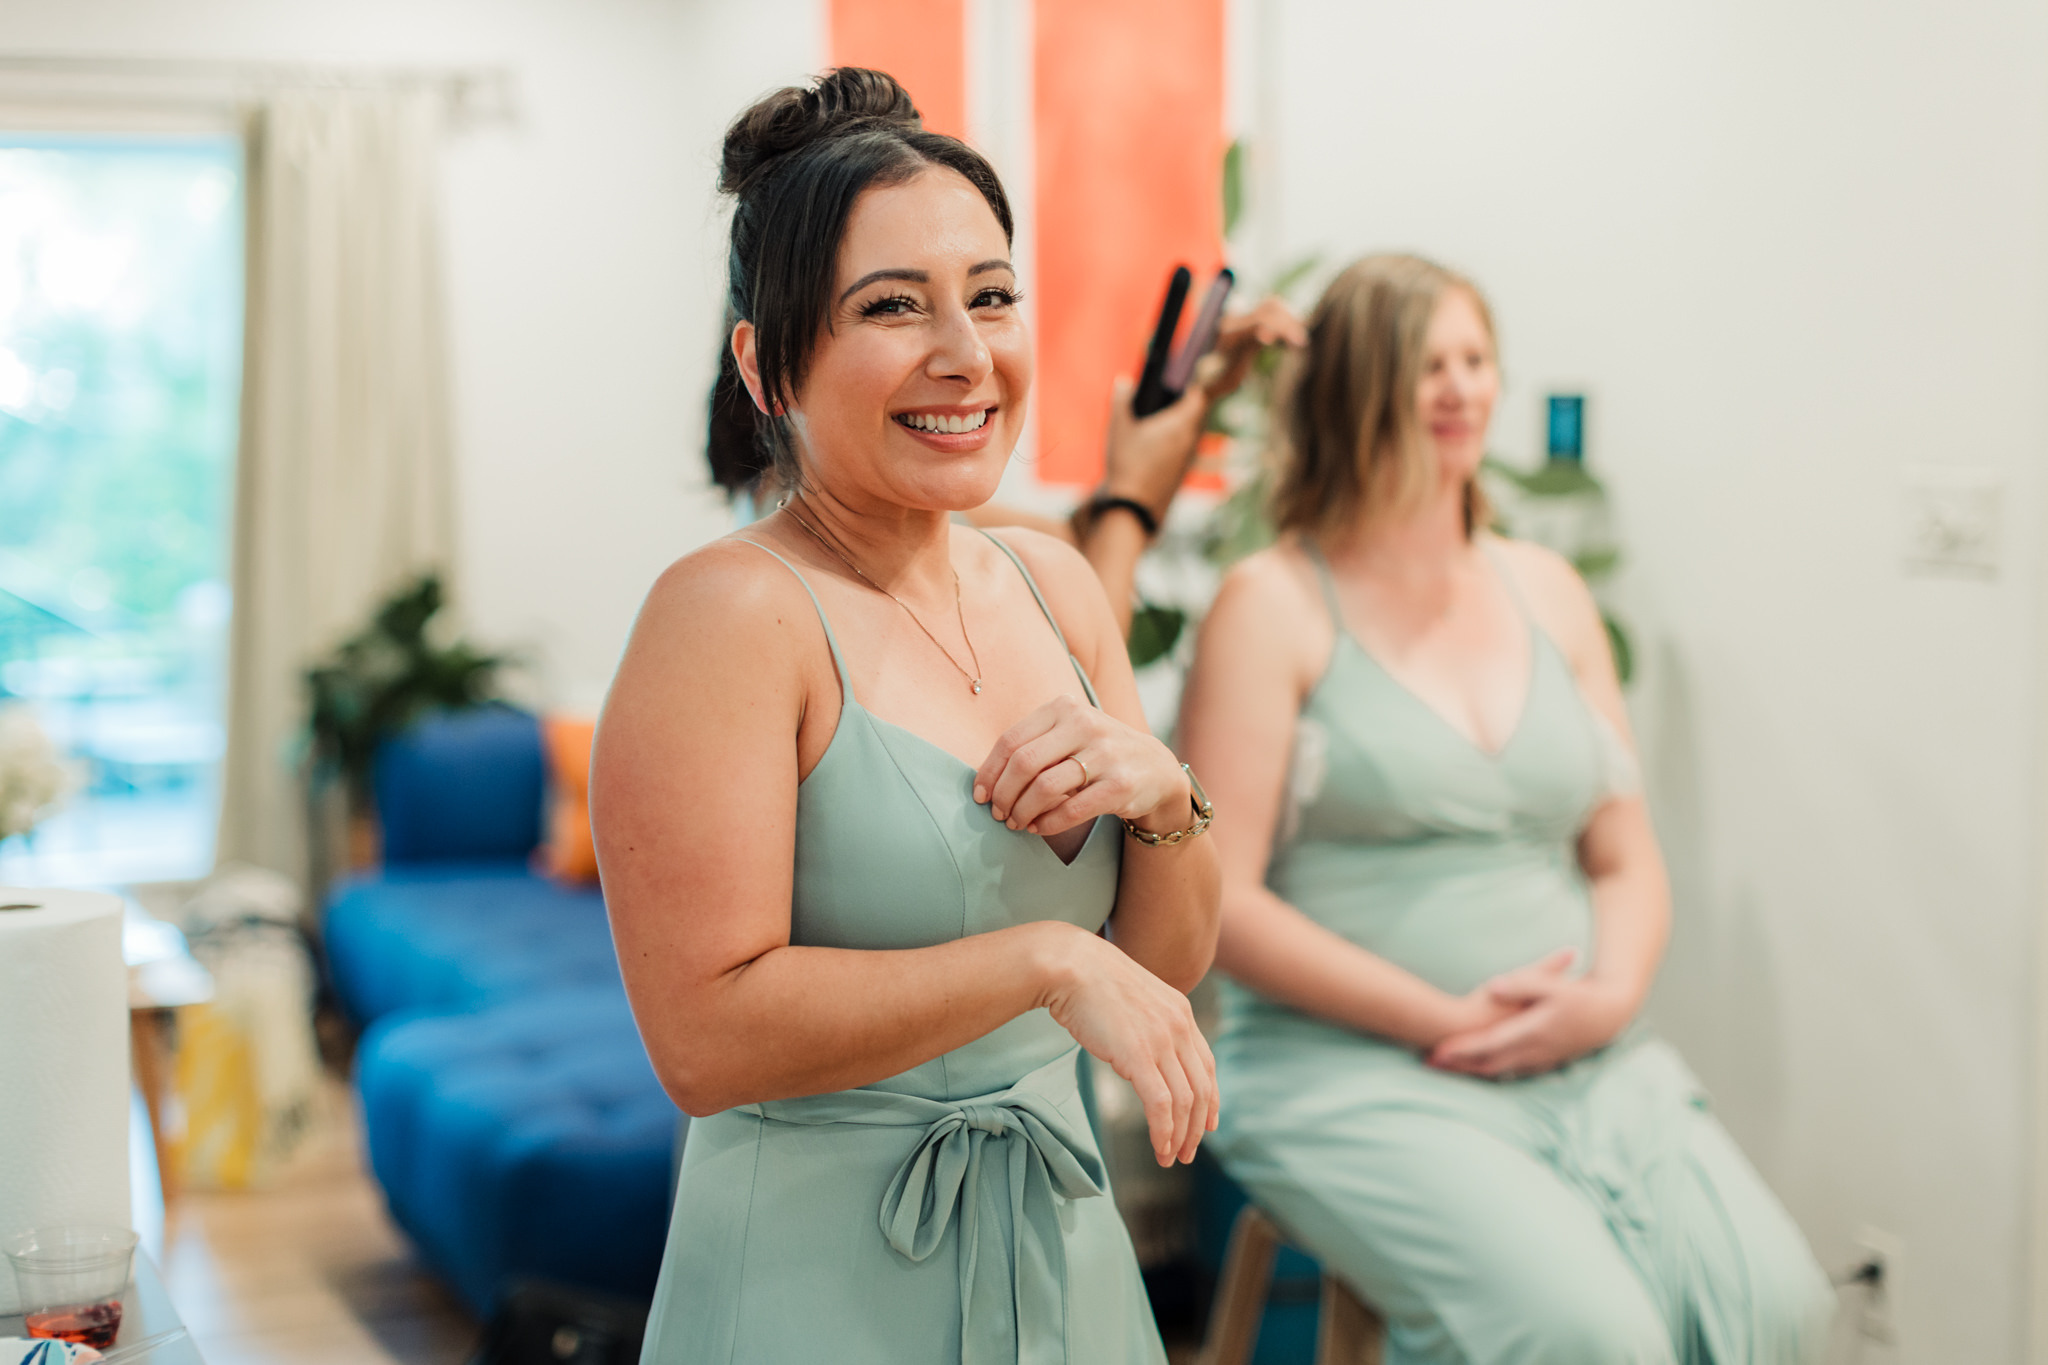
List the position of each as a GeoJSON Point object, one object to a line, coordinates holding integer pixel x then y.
{"type": "Point", "coordinates": [1346, 441]}
{"type": "Point", "coordinates": [796, 161]}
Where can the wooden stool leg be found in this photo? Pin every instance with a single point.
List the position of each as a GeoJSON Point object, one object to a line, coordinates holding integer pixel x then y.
{"type": "Point", "coordinates": [1241, 1294]}
{"type": "Point", "coordinates": [149, 1051]}
{"type": "Point", "coordinates": [1348, 1333]}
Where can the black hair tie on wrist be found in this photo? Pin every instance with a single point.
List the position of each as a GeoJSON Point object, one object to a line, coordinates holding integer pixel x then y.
{"type": "Point", "coordinates": [1145, 515]}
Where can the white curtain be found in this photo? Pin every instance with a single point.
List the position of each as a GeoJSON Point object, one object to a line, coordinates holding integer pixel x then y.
{"type": "Point", "coordinates": [344, 488]}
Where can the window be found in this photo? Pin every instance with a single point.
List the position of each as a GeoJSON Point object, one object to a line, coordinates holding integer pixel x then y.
{"type": "Point", "coordinates": [120, 376]}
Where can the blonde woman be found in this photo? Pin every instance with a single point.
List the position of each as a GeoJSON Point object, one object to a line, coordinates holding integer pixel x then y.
{"type": "Point", "coordinates": [1444, 902]}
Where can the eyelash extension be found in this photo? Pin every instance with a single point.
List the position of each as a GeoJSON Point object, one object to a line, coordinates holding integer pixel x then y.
{"type": "Point", "coordinates": [1010, 298]}
{"type": "Point", "coordinates": [874, 306]}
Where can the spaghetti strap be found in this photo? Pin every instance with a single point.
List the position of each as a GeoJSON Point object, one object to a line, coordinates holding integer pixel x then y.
{"type": "Point", "coordinates": [1327, 581]}
{"type": "Point", "coordinates": [1507, 579]}
{"type": "Point", "coordinates": [831, 640]}
{"type": "Point", "coordinates": [1058, 634]}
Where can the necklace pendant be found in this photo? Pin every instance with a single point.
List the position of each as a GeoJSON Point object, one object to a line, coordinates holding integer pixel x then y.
{"type": "Point", "coordinates": [975, 683]}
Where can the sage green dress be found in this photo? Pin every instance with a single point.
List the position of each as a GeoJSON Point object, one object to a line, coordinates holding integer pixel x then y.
{"type": "Point", "coordinates": [955, 1212]}
{"type": "Point", "coordinates": [1596, 1214]}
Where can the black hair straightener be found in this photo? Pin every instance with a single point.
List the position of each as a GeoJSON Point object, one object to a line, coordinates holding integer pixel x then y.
{"type": "Point", "coordinates": [1166, 374]}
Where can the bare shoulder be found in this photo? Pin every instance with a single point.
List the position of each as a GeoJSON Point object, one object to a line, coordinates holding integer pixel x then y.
{"type": "Point", "coordinates": [1558, 597]}
{"type": "Point", "coordinates": [1067, 580]}
{"type": "Point", "coordinates": [725, 602]}
{"type": "Point", "coordinates": [1272, 590]}
{"type": "Point", "coordinates": [1055, 563]}
{"type": "Point", "coordinates": [1269, 609]}
{"type": "Point", "coordinates": [728, 585]}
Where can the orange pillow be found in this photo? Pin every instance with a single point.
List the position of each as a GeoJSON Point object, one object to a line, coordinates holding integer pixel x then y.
{"type": "Point", "coordinates": [567, 852]}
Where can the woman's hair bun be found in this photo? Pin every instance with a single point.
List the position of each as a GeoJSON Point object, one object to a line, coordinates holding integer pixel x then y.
{"type": "Point", "coordinates": [796, 116]}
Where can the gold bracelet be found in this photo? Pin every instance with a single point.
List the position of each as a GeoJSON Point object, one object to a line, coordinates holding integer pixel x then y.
{"type": "Point", "coordinates": [1205, 811]}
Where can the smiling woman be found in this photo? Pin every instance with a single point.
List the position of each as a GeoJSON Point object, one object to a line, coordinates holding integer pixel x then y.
{"type": "Point", "coordinates": [866, 789]}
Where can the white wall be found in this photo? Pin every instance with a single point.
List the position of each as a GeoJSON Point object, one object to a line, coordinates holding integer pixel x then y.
{"type": "Point", "coordinates": [584, 268]}
{"type": "Point", "coordinates": [1788, 249]}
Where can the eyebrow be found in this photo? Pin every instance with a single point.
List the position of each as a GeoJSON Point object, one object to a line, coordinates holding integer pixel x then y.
{"type": "Point", "coordinates": [919, 276]}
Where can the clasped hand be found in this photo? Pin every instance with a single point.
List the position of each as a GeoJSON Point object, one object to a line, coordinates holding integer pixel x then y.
{"type": "Point", "coordinates": [1532, 1020]}
{"type": "Point", "coordinates": [1068, 762]}
{"type": "Point", "coordinates": [1058, 768]}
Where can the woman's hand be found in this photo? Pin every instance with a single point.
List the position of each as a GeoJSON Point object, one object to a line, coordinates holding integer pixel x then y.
{"type": "Point", "coordinates": [1068, 762]}
{"type": "Point", "coordinates": [1551, 1019]}
{"type": "Point", "coordinates": [1142, 1029]}
{"type": "Point", "coordinates": [1483, 1007]}
{"type": "Point", "coordinates": [1148, 457]}
{"type": "Point", "coordinates": [1239, 341]}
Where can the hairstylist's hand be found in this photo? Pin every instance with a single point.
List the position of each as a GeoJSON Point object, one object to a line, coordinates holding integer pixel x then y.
{"type": "Point", "coordinates": [1555, 1019]}
{"type": "Point", "coordinates": [1142, 1029]}
{"type": "Point", "coordinates": [1239, 341]}
{"type": "Point", "coordinates": [1148, 457]}
{"type": "Point", "coordinates": [1068, 762]}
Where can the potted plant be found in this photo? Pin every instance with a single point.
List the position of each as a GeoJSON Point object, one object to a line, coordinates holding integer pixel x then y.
{"type": "Point", "coordinates": [376, 683]}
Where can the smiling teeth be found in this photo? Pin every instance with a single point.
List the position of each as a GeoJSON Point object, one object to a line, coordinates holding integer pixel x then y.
{"type": "Point", "coordinates": [920, 421]}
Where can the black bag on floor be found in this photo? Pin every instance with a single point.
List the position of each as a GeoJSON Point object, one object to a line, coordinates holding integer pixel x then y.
{"type": "Point", "coordinates": [552, 1324]}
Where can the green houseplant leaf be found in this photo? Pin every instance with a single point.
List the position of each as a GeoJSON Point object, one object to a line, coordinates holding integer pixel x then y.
{"type": "Point", "coordinates": [1154, 632]}
{"type": "Point", "coordinates": [1599, 563]}
{"type": "Point", "coordinates": [381, 679]}
{"type": "Point", "coordinates": [1624, 652]}
{"type": "Point", "coordinates": [1233, 188]}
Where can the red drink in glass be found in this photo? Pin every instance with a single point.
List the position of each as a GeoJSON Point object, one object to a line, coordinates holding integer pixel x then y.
{"type": "Point", "coordinates": [93, 1324]}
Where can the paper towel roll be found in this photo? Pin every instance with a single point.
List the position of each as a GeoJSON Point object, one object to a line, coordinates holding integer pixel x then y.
{"type": "Point", "coordinates": [63, 1065]}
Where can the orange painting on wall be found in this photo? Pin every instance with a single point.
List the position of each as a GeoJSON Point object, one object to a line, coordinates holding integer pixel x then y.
{"type": "Point", "coordinates": [922, 43]}
{"type": "Point", "coordinates": [1128, 124]}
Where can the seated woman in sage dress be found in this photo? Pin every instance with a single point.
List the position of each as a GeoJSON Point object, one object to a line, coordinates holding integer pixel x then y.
{"type": "Point", "coordinates": [1444, 902]}
{"type": "Point", "coordinates": [867, 785]}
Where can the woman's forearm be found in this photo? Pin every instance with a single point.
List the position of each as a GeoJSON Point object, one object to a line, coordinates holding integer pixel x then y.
{"type": "Point", "coordinates": [804, 1021]}
{"type": "Point", "coordinates": [1113, 542]}
{"type": "Point", "coordinates": [1167, 909]}
{"type": "Point", "coordinates": [1631, 900]}
{"type": "Point", "coordinates": [1284, 955]}
{"type": "Point", "coordinates": [1632, 923]}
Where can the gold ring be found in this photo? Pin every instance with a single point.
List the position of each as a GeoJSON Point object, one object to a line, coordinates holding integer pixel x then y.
{"type": "Point", "coordinates": [1085, 779]}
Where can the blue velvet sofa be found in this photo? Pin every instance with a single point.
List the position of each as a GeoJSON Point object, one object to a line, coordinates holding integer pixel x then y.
{"type": "Point", "coordinates": [511, 1115]}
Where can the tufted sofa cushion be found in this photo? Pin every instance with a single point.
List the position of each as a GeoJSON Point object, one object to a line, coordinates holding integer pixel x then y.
{"type": "Point", "coordinates": [462, 936]}
{"type": "Point", "coordinates": [526, 1140]}
{"type": "Point", "coordinates": [461, 784]}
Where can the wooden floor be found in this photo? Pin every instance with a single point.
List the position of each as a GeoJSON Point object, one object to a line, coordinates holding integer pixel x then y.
{"type": "Point", "coordinates": [309, 1271]}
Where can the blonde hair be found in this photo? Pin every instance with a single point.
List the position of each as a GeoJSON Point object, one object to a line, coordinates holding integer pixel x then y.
{"type": "Point", "coordinates": [1346, 440]}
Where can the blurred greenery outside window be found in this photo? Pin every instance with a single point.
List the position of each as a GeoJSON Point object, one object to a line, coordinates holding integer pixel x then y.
{"type": "Point", "coordinates": [120, 378]}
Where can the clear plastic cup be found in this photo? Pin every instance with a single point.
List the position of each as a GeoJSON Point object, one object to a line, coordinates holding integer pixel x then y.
{"type": "Point", "coordinates": [71, 1280]}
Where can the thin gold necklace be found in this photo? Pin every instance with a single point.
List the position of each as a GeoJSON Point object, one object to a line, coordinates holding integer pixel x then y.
{"type": "Point", "coordinates": [973, 679]}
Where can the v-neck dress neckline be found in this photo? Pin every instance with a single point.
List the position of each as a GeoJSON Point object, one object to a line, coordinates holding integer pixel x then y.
{"type": "Point", "coordinates": [850, 707]}
{"type": "Point", "coordinates": [1388, 806]}
{"type": "Point", "coordinates": [1537, 639]}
